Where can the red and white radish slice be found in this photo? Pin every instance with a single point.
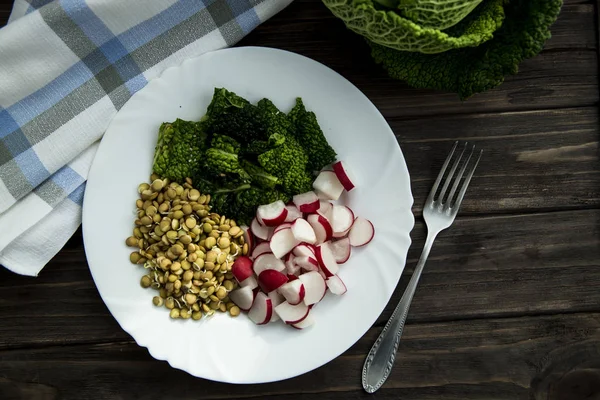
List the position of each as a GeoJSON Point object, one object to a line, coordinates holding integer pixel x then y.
{"type": "Point", "coordinates": [261, 248]}
{"type": "Point", "coordinates": [292, 314]}
{"type": "Point", "coordinates": [260, 231]}
{"type": "Point", "coordinates": [242, 268]}
{"type": "Point", "coordinates": [344, 175]}
{"type": "Point", "coordinates": [272, 214]}
{"type": "Point", "coordinates": [249, 282]}
{"type": "Point", "coordinates": [293, 291]}
{"type": "Point", "coordinates": [293, 213]}
{"type": "Point", "coordinates": [291, 267]}
{"type": "Point", "coordinates": [304, 232]}
{"type": "Point", "coordinates": [314, 287]}
{"type": "Point", "coordinates": [261, 311]}
{"type": "Point", "coordinates": [306, 202]}
{"type": "Point", "coordinates": [341, 250]}
{"type": "Point", "coordinates": [283, 226]}
{"type": "Point", "coordinates": [342, 220]}
{"type": "Point", "coordinates": [267, 261]}
{"type": "Point", "coordinates": [324, 207]}
{"type": "Point", "coordinates": [304, 250]}
{"type": "Point", "coordinates": [243, 297]}
{"type": "Point", "coordinates": [270, 280]}
{"type": "Point", "coordinates": [362, 232]}
{"type": "Point", "coordinates": [321, 226]}
{"type": "Point", "coordinates": [328, 184]}
{"type": "Point", "coordinates": [336, 285]}
{"type": "Point", "coordinates": [293, 277]}
{"type": "Point", "coordinates": [283, 242]}
{"type": "Point", "coordinates": [305, 323]}
{"type": "Point", "coordinates": [326, 259]}
{"type": "Point", "coordinates": [276, 299]}
{"type": "Point", "coordinates": [307, 263]}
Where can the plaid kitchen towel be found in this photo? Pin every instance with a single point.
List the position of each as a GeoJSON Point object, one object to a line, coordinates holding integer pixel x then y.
{"type": "Point", "coordinates": [66, 68]}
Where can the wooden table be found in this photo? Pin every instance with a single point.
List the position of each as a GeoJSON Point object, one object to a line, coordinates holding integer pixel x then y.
{"type": "Point", "coordinates": [509, 304]}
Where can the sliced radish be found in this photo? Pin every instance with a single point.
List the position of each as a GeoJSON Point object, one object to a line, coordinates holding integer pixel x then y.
{"type": "Point", "coordinates": [272, 214]}
{"type": "Point", "coordinates": [304, 249]}
{"type": "Point", "coordinates": [322, 196]}
{"type": "Point", "coordinates": [324, 207]}
{"type": "Point", "coordinates": [267, 261]}
{"type": "Point", "coordinates": [293, 213]}
{"type": "Point", "coordinates": [336, 285]}
{"type": "Point", "coordinates": [262, 309]}
{"type": "Point", "coordinates": [292, 277]}
{"type": "Point", "coordinates": [270, 280]}
{"type": "Point", "coordinates": [326, 259]}
{"type": "Point", "coordinates": [305, 323]}
{"type": "Point", "coordinates": [292, 314]}
{"type": "Point", "coordinates": [307, 263]}
{"type": "Point", "coordinates": [307, 202]}
{"type": "Point", "coordinates": [304, 232]}
{"type": "Point", "coordinates": [260, 231]}
{"type": "Point", "coordinates": [314, 287]}
{"type": "Point", "coordinates": [362, 232]}
{"type": "Point", "coordinates": [261, 248]}
{"type": "Point", "coordinates": [321, 226]}
{"type": "Point", "coordinates": [291, 267]}
{"type": "Point", "coordinates": [293, 291]}
{"type": "Point", "coordinates": [341, 250]}
{"type": "Point", "coordinates": [243, 297]}
{"type": "Point", "coordinates": [276, 299]}
{"type": "Point", "coordinates": [344, 175]}
{"type": "Point", "coordinates": [282, 226]}
{"type": "Point", "coordinates": [242, 268]}
{"type": "Point", "coordinates": [250, 282]}
{"type": "Point", "coordinates": [328, 184]}
{"type": "Point", "coordinates": [342, 220]}
{"type": "Point", "coordinates": [283, 242]}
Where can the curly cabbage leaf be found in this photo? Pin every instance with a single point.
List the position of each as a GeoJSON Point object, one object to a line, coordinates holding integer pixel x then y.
{"type": "Point", "coordinates": [437, 14]}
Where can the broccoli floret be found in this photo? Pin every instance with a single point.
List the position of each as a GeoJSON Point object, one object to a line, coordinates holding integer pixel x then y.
{"type": "Point", "coordinates": [309, 133]}
{"type": "Point", "coordinates": [179, 149]}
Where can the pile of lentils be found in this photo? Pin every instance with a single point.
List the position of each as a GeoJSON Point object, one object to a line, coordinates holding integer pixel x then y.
{"type": "Point", "coordinates": [186, 250]}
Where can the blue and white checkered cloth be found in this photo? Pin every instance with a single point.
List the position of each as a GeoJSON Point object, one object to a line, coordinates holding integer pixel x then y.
{"type": "Point", "coordinates": [66, 68]}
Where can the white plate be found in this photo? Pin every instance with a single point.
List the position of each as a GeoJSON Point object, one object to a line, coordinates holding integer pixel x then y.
{"type": "Point", "coordinates": [234, 349]}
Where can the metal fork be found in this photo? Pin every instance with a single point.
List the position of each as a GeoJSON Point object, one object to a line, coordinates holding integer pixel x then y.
{"type": "Point", "coordinates": [439, 213]}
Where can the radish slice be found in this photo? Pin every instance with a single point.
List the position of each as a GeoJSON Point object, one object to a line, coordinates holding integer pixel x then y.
{"type": "Point", "coordinates": [336, 285]}
{"type": "Point", "coordinates": [260, 231]}
{"type": "Point", "coordinates": [328, 184]}
{"type": "Point", "coordinates": [292, 314]}
{"type": "Point", "coordinates": [305, 323]}
{"type": "Point", "coordinates": [242, 268]}
{"type": "Point", "coordinates": [303, 232]}
{"type": "Point", "coordinates": [304, 250]}
{"type": "Point", "coordinates": [282, 226]}
{"type": "Point", "coordinates": [324, 207]}
{"type": "Point", "coordinates": [243, 297]}
{"type": "Point", "coordinates": [343, 218]}
{"type": "Point", "coordinates": [341, 250]}
{"type": "Point", "coordinates": [283, 242]}
{"type": "Point", "coordinates": [292, 277]}
{"type": "Point", "coordinates": [261, 248]}
{"type": "Point", "coordinates": [293, 213]}
{"type": "Point", "coordinates": [276, 299]}
{"type": "Point", "coordinates": [362, 232]}
{"type": "Point", "coordinates": [307, 263]}
{"type": "Point", "coordinates": [307, 202]}
{"type": "Point", "coordinates": [270, 280]}
{"type": "Point", "coordinates": [262, 309]}
{"type": "Point", "coordinates": [249, 282]}
{"type": "Point", "coordinates": [326, 259]}
{"type": "Point", "coordinates": [344, 175]}
{"type": "Point", "coordinates": [314, 286]}
{"type": "Point", "coordinates": [291, 267]}
{"type": "Point", "coordinates": [321, 226]}
{"type": "Point", "coordinates": [293, 291]}
{"type": "Point", "coordinates": [267, 261]}
{"type": "Point", "coordinates": [272, 214]}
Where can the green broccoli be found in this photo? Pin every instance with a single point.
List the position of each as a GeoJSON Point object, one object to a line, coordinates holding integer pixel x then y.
{"type": "Point", "coordinates": [179, 149]}
{"type": "Point", "coordinates": [309, 133]}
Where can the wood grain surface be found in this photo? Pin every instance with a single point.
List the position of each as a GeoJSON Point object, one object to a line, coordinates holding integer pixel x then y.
{"type": "Point", "coordinates": [509, 303]}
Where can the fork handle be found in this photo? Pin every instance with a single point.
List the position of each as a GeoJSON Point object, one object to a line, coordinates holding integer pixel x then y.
{"type": "Point", "coordinates": [382, 355]}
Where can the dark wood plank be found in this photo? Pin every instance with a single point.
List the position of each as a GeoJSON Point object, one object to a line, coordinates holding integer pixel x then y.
{"type": "Point", "coordinates": [482, 359]}
{"type": "Point", "coordinates": [5, 9]}
{"type": "Point", "coordinates": [533, 161]}
{"type": "Point", "coordinates": [483, 267]}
